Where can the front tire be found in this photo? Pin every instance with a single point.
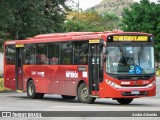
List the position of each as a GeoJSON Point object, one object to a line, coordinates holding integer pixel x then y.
{"type": "Point", "coordinates": [31, 91]}
{"type": "Point", "coordinates": [83, 95]}
{"type": "Point", "coordinates": [68, 97]}
{"type": "Point", "coordinates": [125, 100]}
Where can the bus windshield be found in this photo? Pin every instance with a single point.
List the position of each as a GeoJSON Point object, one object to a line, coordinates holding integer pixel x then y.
{"type": "Point", "coordinates": [127, 59]}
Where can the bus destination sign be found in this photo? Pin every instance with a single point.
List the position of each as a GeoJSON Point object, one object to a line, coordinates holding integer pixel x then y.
{"type": "Point", "coordinates": [130, 38]}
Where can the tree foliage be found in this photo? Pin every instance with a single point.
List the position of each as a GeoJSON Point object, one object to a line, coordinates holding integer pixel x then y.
{"type": "Point", "coordinates": [143, 17]}
{"type": "Point", "coordinates": [25, 18]}
{"type": "Point", "coordinates": [110, 21]}
{"type": "Point", "coordinates": [90, 21]}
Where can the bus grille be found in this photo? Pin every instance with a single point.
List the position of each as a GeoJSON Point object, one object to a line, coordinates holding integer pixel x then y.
{"type": "Point", "coordinates": [133, 77]}
{"type": "Point", "coordinates": [130, 94]}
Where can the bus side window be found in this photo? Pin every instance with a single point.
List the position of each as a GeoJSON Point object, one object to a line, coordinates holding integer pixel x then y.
{"type": "Point", "coordinates": [53, 53]}
{"type": "Point", "coordinates": [54, 61]}
{"type": "Point", "coordinates": [41, 58]}
{"type": "Point", "coordinates": [80, 52]}
{"type": "Point", "coordinates": [29, 54]}
{"type": "Point", "coordinates": [41, 54]}
{"type": "Point", "coordinates": [10, 54]}
{"type": "Point", "coordinates": [66, 53]}
{"type": "Point", "coordinates": [82, 58]}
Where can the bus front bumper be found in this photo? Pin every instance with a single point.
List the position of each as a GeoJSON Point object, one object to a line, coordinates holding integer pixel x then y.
{"type": "Point", "coordinates": [113, 91]}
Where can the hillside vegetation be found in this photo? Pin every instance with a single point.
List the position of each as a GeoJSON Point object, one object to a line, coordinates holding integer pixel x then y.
{"type": "Point", "coordinates": [114, 6]}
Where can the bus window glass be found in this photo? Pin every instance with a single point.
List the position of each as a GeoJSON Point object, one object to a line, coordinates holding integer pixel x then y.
{"type": "Point", "coordinates": [29, 54]}
{"type": "Point", "coordinates": [53, 53]}
{"type": "Point", "coordinates": [80, 52]}
{"type": "Point", "coordinates": [66, 53]}
{"type": "Point", "coordinates": [10, 55]}
{"type": "Point", "coordinates": [130, 59]}
{"type": "Point", "coordinates": [41, 54]}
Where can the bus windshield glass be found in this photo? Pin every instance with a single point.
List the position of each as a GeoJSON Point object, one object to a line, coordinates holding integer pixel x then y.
{"type": "Point", "coordinates": [127, 59]}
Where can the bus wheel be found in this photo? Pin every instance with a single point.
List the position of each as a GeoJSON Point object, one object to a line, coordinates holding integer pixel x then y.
{"type": "Point", "coordinates": [68, 97]}
{"type": "Point", "coordinates": [31, 91]}
{"type": "Point", "coordinates": [83, 95]}
{"type": "Point", "coordinates": [125, 100]}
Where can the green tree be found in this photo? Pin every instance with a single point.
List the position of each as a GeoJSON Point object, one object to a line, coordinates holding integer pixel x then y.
{"type": "Point", "coordinates": [90, 21]}
{"type": "Point", "coordinates": [25, 18]}
{"type": "Point", "coordinates": [143, 17]}
{"type": "Point", "coordinates": [110, 21]}
{"type": "Point", "coordinates": [82, 21]}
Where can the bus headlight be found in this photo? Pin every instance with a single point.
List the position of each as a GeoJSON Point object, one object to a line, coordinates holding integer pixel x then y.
{"type": "Point", "coordinates": [113, 84]}
{"type": "Point", "coordinates": [151, 84]}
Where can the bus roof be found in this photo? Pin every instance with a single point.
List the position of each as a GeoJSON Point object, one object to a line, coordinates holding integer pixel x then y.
{"type": "Point", "coordinates": [65, 34]}
{"type": "Point", "coordinates": [70, 36]}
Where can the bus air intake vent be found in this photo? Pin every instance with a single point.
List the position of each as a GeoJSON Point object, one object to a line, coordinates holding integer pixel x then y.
{"type": "Point", "coordinates": [133, 77]}
{"type": "Point", "coordinates": [130, 94]}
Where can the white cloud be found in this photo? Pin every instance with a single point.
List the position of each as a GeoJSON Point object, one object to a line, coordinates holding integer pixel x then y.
{"type": "Point", "coordinates": [84, 4]}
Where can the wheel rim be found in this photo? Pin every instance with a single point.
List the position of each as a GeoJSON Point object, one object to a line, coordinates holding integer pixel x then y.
{"type": "Point", "coordinates": [31, 89]}
{"type": "Point", "coordinates": [84, 93]}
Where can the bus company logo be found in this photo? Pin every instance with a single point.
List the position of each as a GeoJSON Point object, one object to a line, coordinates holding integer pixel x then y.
{"type": "Point", "coordinates": [38, 73]}
{"type": "Point", "coordinates": [71, 74]}
{"type": "Point", "coordinates": [125, 83]}
{"type": "Point", "coordinates": [135, 83]}
{"type": "Point", "coordinates": [33, 72]}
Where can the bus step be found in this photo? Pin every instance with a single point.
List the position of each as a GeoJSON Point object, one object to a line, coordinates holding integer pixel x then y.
{"type": "Point", "coordinates": [94, 96]}
{"type": "Point", "coordinates": [19, 91]}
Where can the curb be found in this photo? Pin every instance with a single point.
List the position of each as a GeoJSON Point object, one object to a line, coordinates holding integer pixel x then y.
{"type": "Point", "coordinates": [158, 72]}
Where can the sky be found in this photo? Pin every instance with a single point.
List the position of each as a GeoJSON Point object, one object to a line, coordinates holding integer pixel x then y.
{"type": "Point", "coordinates": [84, 4]}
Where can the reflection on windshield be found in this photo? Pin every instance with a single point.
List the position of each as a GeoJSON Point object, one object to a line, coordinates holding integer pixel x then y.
{"type": "Point", "coordinates": [129, 59]}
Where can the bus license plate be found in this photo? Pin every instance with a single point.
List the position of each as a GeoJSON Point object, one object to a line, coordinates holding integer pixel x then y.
{"type": "Point", "coordinates": [135, 92]}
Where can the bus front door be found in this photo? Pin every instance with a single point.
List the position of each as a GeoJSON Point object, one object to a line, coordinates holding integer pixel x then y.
{"type": "Point", "coordinates": [94, 58]}
{"type": "Point", "coordinates": [18, 67]}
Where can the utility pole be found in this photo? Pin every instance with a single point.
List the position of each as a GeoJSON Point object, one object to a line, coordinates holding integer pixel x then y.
{"type": "Point", "coordinates": [78, 6]}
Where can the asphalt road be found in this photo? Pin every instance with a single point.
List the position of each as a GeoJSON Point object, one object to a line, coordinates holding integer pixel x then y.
{"type": "Point", "coordinates": [12, 101]}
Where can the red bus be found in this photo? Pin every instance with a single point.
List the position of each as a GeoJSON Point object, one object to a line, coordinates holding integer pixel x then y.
{"type": "Point", "coordinates": [87, 65]}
